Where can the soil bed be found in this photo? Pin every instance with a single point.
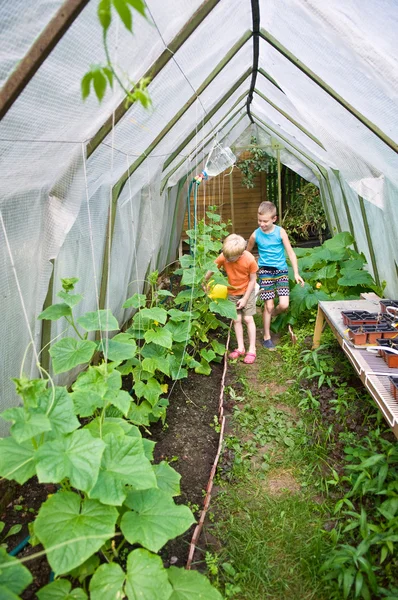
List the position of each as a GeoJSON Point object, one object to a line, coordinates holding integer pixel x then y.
{"type": "Point", "coordinates": [188, 442]}
{"type": "Point", "coordinates": [189, 437]}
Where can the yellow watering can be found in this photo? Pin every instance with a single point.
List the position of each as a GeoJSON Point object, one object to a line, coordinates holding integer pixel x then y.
{"type": "Point", "coordinates": [218, 292]}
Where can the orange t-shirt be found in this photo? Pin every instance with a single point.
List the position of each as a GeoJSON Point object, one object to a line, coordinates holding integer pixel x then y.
{"type": "Point", "coordinates": [238, 272]}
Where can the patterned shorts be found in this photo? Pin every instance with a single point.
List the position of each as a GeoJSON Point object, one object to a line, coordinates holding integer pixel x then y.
{"type": "Point", "coordinates": [273, 280]}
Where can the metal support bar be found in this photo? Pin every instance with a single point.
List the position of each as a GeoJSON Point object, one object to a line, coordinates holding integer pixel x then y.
{"type": "Point", "coordinates": [189, 27]}
{"type": "Point", "coordinates": [369, 240]}
{"type": "Point", "coordinates": [46, 324]}
{"type": "Point", "coordinates": [256, 52]}
{"type": "Point", "coordinates": [326, 88]}
{"type": "Point", "coordinates": [38, 52]}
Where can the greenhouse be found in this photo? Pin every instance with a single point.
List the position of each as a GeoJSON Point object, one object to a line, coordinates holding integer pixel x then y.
{"type": "Point", "coordinates": [144, 453]}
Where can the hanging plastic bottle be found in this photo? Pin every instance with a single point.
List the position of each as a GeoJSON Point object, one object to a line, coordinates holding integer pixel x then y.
{"type": "Point", "coordinates": [218, 160]}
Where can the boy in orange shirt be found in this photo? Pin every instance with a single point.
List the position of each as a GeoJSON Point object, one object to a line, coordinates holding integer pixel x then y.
{"type": "Point", "coordinates": [241, 269]}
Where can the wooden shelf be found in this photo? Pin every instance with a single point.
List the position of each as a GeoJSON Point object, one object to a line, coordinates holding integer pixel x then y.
{"type": "Point", "coordinates": [371, 368]}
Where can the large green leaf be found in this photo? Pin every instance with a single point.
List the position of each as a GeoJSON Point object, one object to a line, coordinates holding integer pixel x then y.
{"type": "Point", "coordinates": [61, 590]}
{"type": "Point", "coordinates": [153, 351]}
{"type": "Point", "coordinates": [146, 577]}
{"type": "Point", "coordinates": [155, 314]}
{"type": "Point", "coordinates": [14, 577]}
{"type": "Point", "coordinates": [123, 463]}
{"type": "Point", "coordinates": [217, 347]}
{"type": "Point", "coordinates": [327, 272]}
{"type": "Point", "coordinates": [160, 336]}
{"type": "Point", "coordinates": [341, 240]}
{"type": "Point", "coordinates": [168, 479]}
{"type": "Point", "coordinates": [191, 585]}
{"type": "Point", "coordinates": [149, 447]}
{"type": "Point", "coordinates": [155, 519]}
{"type": "Point", "coordinates": [58, 405]}
{"type": "Point", "coordinates": [70, 299]}
{"type": "Point", "coordinates": [188, 295]}
{"type": "Point", "coordinates": [136, 301]}
{"type": "Point", "coordinates": [119, 350]}
{"type": "Point", "coordinates": [179, 330]}
{"type": "Point", "coordinates": [26, 424]}
{"type": "Point", "coordinates": [176, 369]}
{"type": "Point", "coordinates": [101, 380]}
{"type": "Point", "coordinates": [225, 308]}
{"type": "Point", "coordinates": [17, 460]}
{"type": "Point", "coordinates": [139, 413]}
{"type": "Point", "coordinates": [121, 399]}
{"type": "Point", "coordinates": [186, 261]}
{"type": "Point", "coordinates": [351, 277]}
{"type": "Point", "coordinates": [192, 276]}
{"type": "Point", "coordinates": [179, 315]}
{"type": "Point", "coordinates": [107, 583]}
{"type": "Point", "coordinates": [156, 363]}
{"type": "Point", "coordinates": [86, 402]}
{"type": "Point", "coordinates": [98, 320]}
{"type": "Point", "coordinates": [303, 298]}
{"type": "Point", "coordinates": [150, 390]}
{"type": "Point", "coordinates": [76, 456]}
{"type": "Point", "coordinates": [204, 368]}
{"type": "Point", "coordinates": [208, 355]}
{"type": "Point", "coordinates": [55, 312]}
{"type": "Point", "coordinates": [71, 529]}
{"type": "Point", "coordinates": [69, 352]}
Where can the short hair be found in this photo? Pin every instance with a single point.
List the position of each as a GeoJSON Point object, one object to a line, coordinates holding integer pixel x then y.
{"type": "Point", "coordinates": [234, 245]}
{"type": "Point", "coordinates": [267, 208]}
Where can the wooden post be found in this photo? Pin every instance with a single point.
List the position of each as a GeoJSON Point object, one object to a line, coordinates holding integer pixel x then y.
{"type": "Point", "coordinates": [320, 318]}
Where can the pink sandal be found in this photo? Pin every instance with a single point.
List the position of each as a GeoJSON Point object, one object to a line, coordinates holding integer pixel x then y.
{"type": "Point", "coordinates": [236, 354]}
{"type": "Point", "coordinates": [249, 358]}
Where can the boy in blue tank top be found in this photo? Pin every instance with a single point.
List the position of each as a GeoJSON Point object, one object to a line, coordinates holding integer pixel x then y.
{"type": "Point", "coordinates": [272, 242]}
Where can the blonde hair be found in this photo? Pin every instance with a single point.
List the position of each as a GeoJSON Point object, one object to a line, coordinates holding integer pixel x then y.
{"type": "Point", "coordinates": [267, 208]}
{"type": "Point", "coordinates": [234, 245]}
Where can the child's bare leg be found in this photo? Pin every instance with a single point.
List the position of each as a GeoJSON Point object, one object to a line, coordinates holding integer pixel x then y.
{"type": "Point", "coordinates": [238, 327]}
{"type": "Point", "coordinates": [267, 314]}
{"type": "Point", "coordinates": [282, 306]}
{"type": "Point", "coordinates": [251, 332]}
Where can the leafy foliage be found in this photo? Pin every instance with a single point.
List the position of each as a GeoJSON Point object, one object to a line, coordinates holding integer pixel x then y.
{"type": "Point", "coordinates": [110, 491]}
{"type": "Point", "coordinates": [257, 163]}
{"type": "Point", "coordinates": [332, 271]}
{"type": "Point", "coordinates": [304, 215]}
{"type": "Point", "coordinates": [100, 76]}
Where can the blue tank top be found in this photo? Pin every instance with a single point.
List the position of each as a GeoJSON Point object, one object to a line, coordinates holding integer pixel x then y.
{"type": "Point", "coordinates": [271, 249]}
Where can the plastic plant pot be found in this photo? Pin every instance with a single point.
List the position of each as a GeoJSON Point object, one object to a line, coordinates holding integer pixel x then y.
{"type": "Point", "coordinates": [391, 360]}
{"type": "Point", "coordinates": [357, 335]}
{"type": "Point", "coordinates": [390, 334]}
{"type": "Point", "coordinates": [385, 303]}
{"type": "Point", "coordinates": [394, 386]}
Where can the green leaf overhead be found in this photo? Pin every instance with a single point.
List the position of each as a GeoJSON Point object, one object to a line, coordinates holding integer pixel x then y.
{"type": "Point", "coordinates": [14, 577]}
{"type": "Point", "coordinates": [146, 577]}
{"type": "Point", "coordinates": [155, 519]}
{"type": "Point", "coordinates": [98, 320]}
{"type": "Point", "coordinates": [76, 456]}
{"type": "Point", "coordinates": [123, 463]}
{"type": "Point", "coordinates": [69, 353]}
{"type": "Point", "coordinates": [191, 585]}
{"type": "Point", "coordinates": [71, 529]}
{"type": "Point", "coordinates": [124, 13]}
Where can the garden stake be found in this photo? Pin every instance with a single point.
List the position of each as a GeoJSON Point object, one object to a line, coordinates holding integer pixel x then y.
{"type": "Point", "coordinates": [198, 528]}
